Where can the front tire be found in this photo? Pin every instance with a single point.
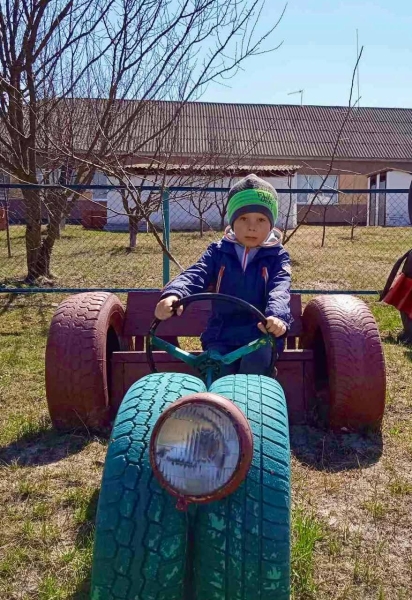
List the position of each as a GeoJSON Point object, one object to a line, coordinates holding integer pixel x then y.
{"type": "Point", "coordinates": [242, 543]}
{"type": "Point", "coordinates": [140, 541]}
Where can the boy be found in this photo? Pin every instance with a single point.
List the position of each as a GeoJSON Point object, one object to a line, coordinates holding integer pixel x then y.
{"type": "Point", "coordinates": [249, 263]}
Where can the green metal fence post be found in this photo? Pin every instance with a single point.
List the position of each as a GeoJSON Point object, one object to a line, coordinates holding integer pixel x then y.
{"type": "Point", "coordinates": [166, 235]}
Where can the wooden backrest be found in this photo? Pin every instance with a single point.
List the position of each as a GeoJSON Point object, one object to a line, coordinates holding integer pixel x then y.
{"type": "Point", "coordinates": [140, 313]}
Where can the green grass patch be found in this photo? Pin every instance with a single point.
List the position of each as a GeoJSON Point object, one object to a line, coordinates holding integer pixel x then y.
{"type": "Point", "coordinates": [101, 259]}
{"type": "Point", "coordinates": [306, 532]}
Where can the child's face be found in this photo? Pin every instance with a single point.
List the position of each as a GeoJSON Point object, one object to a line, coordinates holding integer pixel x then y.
{"type": "Point", "coordinates": [251, 229]}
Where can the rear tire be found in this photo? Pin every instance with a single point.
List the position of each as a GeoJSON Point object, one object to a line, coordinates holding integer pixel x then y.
{"type": "Point", "coordinates": [85, 331]}
{"type": "Point", "coordinates": [242, 543]}
{"type": "Point", "coordinates": [140, 541]}
{"type": "Point", "coordinates": [349, 362]}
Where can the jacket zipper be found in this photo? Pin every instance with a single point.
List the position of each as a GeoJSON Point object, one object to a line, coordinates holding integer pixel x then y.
{"type": "Point", "coordinates": [244, 260]}
{"type": "Point", "coordinates": [265, 276]}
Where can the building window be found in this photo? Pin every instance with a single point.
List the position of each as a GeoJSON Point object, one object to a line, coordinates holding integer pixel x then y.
{"type": "Point", "coordinates": [100, 179]}
{"type": "Point", "coordinates": [327, 195]}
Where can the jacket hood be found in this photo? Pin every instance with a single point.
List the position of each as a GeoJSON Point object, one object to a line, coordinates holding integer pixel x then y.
{"type": "Point", "coordinates": [273, 239]}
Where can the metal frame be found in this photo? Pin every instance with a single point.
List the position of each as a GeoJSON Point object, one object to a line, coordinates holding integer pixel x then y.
{"type": "Point", "coordinates": [166, 233]}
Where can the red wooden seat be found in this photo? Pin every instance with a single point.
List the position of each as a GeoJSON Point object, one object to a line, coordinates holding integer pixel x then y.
{"type": "Point", "coordinates": [295, 367]}
{"type": "Point", "coordinates": [140, 311]}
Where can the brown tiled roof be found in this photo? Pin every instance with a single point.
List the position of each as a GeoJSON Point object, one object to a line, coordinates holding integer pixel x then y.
{"type": "Point", "coordinates": [288, 132]}
{"type": "Point", "coordinates": [277, 132]}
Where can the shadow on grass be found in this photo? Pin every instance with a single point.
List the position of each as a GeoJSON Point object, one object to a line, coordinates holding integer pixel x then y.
{"type": "Point", "coordinates": [139, 250]}
{"type": "Point", "coordinates": [41, 306]}
{"type": "Point", "coordinates": [11, 333]}
{"type": "Point", "coordinates": [42, 448]}
{"type": "Point", "coordinates": [334, 452]}
{"type": "Point", "coordinates": [83, 590]}
{"type": "Point", "coordinates": [85, 539]}
{"type": "Point", "coordinates": [125, 251]}
{"type": "Point", "coordinates": [8, 302]}
{"type": "Point", "coordinates": [399, 341]}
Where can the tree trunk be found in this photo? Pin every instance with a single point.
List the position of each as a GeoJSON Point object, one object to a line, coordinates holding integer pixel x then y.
{"type": "Point", "coordinates": [133, 227]}
{"type": "Point", "coordinates": [352, 232]}
{"type": "Point", "coordinates": [201, 226]}
{"type": "Point", "coordinates": [39, 250]}
{"type": "Point", "coordinates": [33, 232]}
{"type": "Point", "coordinates": [222, 222]}
{"type": "Point", "coordinates": [324, 226]}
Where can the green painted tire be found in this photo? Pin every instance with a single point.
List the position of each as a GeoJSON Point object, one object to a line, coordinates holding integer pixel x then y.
{"type": "Point", "coordinates": [242, 543]}
{"type": "Point", "coordinates": [140, 541]}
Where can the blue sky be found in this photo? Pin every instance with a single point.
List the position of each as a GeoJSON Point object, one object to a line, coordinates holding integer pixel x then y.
{"type": "Point", "coordinates": [319, 54]}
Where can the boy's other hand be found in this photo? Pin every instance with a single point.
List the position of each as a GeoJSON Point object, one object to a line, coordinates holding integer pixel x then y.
{"type": "Point", "coordinates": [274, 326]}
{"type": "Point", "coordinates": [164, 308]}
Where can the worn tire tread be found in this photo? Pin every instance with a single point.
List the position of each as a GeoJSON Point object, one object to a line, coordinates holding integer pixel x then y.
{"type": "Point", "coordinates": [76, 371]}
{"type": "Point", "coordinates": [355, 360]}
{"type": "Point", "coordinates": [140, 540]}
{"type": "Point", "coordinates": [243, 542]}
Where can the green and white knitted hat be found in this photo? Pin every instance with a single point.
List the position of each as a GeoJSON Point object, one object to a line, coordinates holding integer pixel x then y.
{"type": "Point", "coordinates": [252, 194]}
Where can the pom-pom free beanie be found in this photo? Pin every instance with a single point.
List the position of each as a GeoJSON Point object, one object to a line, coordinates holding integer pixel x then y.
{"type": "Point", "coordinates": [252, 195]}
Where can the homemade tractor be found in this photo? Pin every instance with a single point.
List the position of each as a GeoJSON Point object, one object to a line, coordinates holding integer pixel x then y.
{"type": "Point", "coordinates": [195, 497]}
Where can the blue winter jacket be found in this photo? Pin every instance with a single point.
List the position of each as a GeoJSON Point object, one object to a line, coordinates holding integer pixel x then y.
{"type": "Point", "coordinates": [259, 276]}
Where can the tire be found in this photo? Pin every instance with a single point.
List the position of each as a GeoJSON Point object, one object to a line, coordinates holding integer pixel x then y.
{"type": "Point", "coordinates": [349, 362]}
{"type": "Point", "coordinates": [242, 543]}
{"type": "Point", "coordinates": [140, 541]}
{"type": "Point", "coordinates": [85, 330]}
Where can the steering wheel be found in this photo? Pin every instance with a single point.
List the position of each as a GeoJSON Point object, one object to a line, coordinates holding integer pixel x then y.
{"type": "Point", "coordinates": [209, 363]}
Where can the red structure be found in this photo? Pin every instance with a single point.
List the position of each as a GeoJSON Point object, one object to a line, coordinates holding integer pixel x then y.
{"type": "Point", "coordinates": [333, 366]}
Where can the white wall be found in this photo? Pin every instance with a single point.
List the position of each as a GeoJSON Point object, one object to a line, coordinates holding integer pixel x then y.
{"type": "Point", "coordinates": [397, 204]}
{"type": "Point", "coordinates": [183, 215]}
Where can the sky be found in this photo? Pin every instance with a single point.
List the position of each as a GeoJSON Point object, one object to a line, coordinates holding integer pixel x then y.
{"type": "Point", "coordinates": [319, 54]}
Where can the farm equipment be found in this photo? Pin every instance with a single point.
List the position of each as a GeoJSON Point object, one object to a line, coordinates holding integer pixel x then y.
{"type": "Point", "coordinates": [195, 497]}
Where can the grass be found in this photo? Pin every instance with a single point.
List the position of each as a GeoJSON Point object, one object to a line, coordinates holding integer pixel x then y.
{"type": "Point", "coordinates": [352, 497]}
{"type": "Point", "coordinates": [84, 258]}
{"type": "Point", "coordinates": [306, 532]}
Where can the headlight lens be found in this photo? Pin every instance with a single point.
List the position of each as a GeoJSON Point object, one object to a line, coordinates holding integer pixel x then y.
{"type": "Point", "coordinates": [197, 449]}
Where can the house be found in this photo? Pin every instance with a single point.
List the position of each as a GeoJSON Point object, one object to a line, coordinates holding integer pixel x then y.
{"type": "Point", "coordinates": [191, 209]}
{"type": "Point", "coordinates": [343, 146]}
{"type": "Point", "coordinates": [389, 210]}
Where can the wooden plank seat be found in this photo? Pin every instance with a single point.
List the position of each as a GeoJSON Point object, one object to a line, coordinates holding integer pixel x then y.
{"type": "Point", "coordinates": [295, 368]}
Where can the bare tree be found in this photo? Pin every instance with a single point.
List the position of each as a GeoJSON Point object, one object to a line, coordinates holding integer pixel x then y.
{"type": "Point", "coordinates": [357, 201]}
{"type": "Point", "coordinates": [82, 84]}
{"type": "Point", "coordinates": [346, 118]}
{"type": "Point", "coordinates": [222, 202]}
{"type": "Point", "coordinates": [201, 202]}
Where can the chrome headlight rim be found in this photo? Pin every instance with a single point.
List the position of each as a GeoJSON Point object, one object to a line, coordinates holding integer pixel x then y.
{"type": "Point", "coordinates": [245, 440]}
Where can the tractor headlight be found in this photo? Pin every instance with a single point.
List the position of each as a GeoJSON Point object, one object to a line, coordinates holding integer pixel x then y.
{"type": "Point", "coordinates": [201, 448]}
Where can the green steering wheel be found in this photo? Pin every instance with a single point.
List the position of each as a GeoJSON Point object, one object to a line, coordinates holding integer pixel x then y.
{"type": "Point", "coordinates": [209, 364]}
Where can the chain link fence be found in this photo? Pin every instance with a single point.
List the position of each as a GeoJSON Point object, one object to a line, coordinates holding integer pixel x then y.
{"type": "Point", "coordinates": [97, 236]}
